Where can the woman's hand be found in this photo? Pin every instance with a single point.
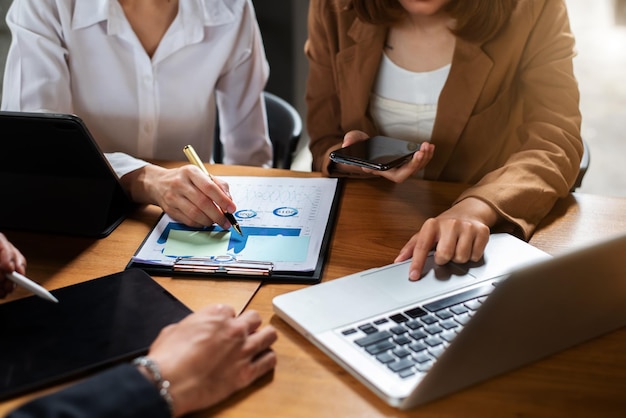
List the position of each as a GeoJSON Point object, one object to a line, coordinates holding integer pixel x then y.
{"type": "Point", "coordinates": [459, 234]}
{"type": "Point", "coordinates": [420, 159]}
{"type": "Point", "coordinates": [185, 193]}
{"type": "Point", "coordinates": [211, 354]}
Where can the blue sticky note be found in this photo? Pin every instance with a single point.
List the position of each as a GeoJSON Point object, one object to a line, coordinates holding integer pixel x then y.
{"type": "Point", "coordinates": [277, 248]}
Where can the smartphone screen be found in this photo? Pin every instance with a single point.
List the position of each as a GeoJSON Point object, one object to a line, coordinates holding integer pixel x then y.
{"type": "Point", "coordinates": [378, 153]}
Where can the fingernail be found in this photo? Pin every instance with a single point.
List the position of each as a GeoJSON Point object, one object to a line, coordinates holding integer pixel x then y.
{"type": "Point", "coordinates": [414, 275]}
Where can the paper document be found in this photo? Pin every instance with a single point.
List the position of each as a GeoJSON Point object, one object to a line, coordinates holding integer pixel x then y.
{"type": "Point", "coordinates": [283, 221]}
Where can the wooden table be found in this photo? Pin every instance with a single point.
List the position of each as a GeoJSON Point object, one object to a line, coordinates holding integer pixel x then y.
{"type": "Point", "coordinates": [375, 219]}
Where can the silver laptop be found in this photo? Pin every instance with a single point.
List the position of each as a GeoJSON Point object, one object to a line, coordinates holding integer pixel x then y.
{"type": "Point", "coordinates": [413, 342]}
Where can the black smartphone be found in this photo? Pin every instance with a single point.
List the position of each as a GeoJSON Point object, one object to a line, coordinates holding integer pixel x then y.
{"type": "Point", "coordinates": [378, 153]}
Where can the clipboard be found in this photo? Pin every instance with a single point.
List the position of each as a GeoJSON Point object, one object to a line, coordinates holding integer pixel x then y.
{"type": "Point", "coordinates": [300, 221]}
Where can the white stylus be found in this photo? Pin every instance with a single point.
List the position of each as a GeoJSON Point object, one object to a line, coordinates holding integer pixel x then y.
{"type": "Point", "coordinates": [27, 283]}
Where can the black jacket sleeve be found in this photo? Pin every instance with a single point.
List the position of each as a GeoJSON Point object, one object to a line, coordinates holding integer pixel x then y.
{"type": "Point", "coordinates": [119, 392]}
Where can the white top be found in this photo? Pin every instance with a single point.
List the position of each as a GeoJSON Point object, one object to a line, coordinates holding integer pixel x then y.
{"type": "Point", "coordinates": [404, 103]}
{"type": "Point", "coordinates": [82, 57]}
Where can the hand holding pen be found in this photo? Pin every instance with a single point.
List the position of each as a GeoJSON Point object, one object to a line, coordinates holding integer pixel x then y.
{"type": "Point", "coordinates": [193, 158]}
{"type": "Point", "coordinates": [11, 259]}
{"type": "Point", "coordinates": [28, 284]}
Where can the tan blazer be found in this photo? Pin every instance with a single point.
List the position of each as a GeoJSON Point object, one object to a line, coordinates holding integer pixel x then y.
{"type": "Point", "coordinates": [508, 119]}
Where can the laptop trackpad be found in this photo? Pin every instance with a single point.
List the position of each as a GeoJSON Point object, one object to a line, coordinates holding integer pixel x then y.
{"type": "Point", "coordinates": [393, 280]}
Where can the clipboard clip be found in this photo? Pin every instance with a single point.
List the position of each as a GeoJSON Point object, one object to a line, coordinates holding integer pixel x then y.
{"type": "Point", "coordinates": [224, 264]}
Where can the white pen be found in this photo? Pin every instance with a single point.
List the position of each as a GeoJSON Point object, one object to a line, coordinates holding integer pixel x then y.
{"type": "Point", "coordinates": [27, 283]}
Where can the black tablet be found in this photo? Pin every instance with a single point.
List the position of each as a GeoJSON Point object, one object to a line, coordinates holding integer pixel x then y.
{"type": "Point", "coordinates": [95, 324]}
{"type": "Point", "coordinates": [55, 177]}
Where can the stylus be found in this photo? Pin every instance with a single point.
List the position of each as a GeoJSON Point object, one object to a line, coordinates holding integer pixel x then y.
{"type": "Point", "coordinates": [27, 283]}
{"type": "Point", "coordinates": [194, 159]}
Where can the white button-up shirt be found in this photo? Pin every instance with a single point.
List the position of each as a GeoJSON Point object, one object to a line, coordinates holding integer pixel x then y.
{"type": "Point", "coordinates": [82, 57]}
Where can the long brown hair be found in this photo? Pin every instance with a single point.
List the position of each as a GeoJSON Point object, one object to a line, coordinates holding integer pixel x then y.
{"type": "Point", "coordinates": [476, 20]}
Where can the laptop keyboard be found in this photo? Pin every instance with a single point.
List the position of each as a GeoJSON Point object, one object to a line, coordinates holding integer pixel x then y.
{"type": "Point", "coordinates": [408, 342]}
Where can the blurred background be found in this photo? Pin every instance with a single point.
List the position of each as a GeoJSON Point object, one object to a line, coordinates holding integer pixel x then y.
{"type": "Point", "coordinates": [600, 66]}
{"type": "Point", "coordinates": [600, 30]}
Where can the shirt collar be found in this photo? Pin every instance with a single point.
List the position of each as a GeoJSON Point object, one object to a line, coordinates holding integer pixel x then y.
{"type": "Point", "coordinates": [87, 13]}
{"type": "Point", "coordinates": [212, 13]}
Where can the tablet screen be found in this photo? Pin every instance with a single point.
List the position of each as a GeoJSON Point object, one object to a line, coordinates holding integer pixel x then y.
{"type": "Point", "coordinates": [55, 158]}
{"type": "Point", "coordinates": [95, 324]}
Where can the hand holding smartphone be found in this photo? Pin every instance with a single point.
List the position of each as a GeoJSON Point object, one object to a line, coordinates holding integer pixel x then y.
{"type": "Point", "coordinates": [377, 153]}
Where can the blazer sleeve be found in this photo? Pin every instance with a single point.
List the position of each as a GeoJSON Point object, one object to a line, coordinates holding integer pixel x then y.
{"type": "Point", "coordinates": [119, 392]}
{"type": "Point", "coordinates": [546, 163]}
{"type": "Point", "coordinates": [322, 92]}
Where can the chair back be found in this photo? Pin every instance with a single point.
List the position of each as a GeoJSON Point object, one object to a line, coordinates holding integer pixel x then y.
{"type": "Point", "coordinates": [285, 129]}
{"type": "Point", "coordinates": [584, 166]}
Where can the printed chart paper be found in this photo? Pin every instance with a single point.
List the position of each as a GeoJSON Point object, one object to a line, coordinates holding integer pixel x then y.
{"type": "Point", "coordinates": [283, 221]}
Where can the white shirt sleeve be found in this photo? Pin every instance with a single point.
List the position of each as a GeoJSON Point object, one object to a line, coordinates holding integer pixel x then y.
{"type": "Point", "coordinates": [240, 95]}
{"type": "Point", "coordinates": [123, 163]}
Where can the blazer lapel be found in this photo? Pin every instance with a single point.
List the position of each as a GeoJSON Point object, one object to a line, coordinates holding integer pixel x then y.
{"type": "Point", "coordinates": [468, 74]}
{"type": "Point", "coordinates": [357, 67]}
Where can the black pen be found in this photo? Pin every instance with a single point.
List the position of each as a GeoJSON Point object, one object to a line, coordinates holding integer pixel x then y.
{"type": "Point", "coordinates": [194, 159]}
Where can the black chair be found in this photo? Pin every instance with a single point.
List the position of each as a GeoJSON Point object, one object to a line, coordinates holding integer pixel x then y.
{"type": "Point", "coordinates": [285, 129]}
{"type": "Point", "coordinates": [584, 165]}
